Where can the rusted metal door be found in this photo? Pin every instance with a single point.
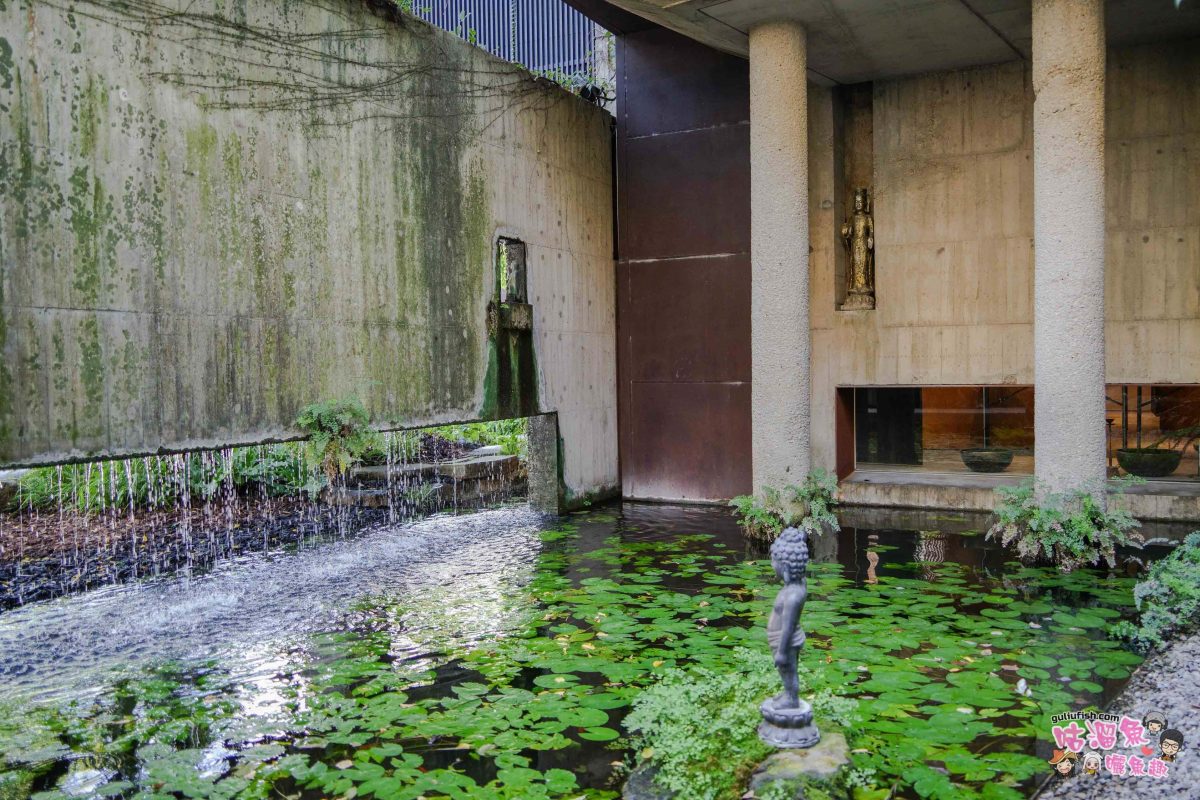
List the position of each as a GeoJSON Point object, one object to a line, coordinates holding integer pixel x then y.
{"type": "Point", "coordinates": [683, 307]}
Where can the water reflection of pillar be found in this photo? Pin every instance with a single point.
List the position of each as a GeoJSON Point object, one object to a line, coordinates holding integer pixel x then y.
{"type": "Point", "coordinates": [931, 549]}
{"type": "Point", "coordinates": [823, 547]}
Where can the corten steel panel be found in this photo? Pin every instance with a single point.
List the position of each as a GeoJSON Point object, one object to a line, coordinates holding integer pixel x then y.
{"type": "Point", "coordinates": [683, 279]}
{"type": "Point", "coordinates": [691, 318]}
{"type": "Point", "coordinates": [692, 441]}
{"type": "Point", "coordinates": [685, 194]}
{"type": "Point", "coordinates": [711, 88]}
{"type": "Point", "coordinates": [844, 431]}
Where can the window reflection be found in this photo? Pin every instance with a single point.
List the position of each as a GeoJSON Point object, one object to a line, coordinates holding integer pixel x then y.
{"type": "Point", "coordinates": [1153, 430]}
{"type": "Point", "coordinates": [945, 428]}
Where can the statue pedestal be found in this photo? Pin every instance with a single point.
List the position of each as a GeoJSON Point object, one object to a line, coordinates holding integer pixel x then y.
{"type": "Point", "coordinates": [858, 301]}
{"type": "Point", "coordinates": [787, 727]}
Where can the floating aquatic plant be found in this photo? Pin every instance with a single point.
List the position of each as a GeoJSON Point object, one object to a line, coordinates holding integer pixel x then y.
{"type": "Point", "coordinates": [931, 665]}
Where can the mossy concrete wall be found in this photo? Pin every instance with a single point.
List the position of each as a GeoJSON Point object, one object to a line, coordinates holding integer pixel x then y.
{"type": "Point", "coordinates": [217, 211]}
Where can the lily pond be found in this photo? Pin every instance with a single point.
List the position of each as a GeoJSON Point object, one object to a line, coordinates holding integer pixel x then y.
{"type": "Point", "coordinates": [497, 654]}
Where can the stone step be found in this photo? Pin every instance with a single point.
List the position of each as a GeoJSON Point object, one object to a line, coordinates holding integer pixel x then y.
{"type": "Point", "coordinates": [448, 493]}
{"type": "Point", "coordinates": [360, 498]}
{"type": "Point", "coordinates": [478, 467]}
{"type": "Point", "coordinates": [378, 473]}
{"type": "Point", "coordinates": [486, 462]}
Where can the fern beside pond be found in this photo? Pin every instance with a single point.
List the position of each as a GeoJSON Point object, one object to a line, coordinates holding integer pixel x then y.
{"type": "Point", "coordinates": [658, 610]}
{"type": "Point", "coordinates": [809, 506]}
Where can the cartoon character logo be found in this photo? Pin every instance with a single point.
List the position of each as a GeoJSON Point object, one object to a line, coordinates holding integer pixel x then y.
{"type": "Point", "coordinates": [1155, 722]}
{"type": "Point", "coordinates": [1171, 742]}
{"type": "Point", "coordinates": [1064, 762]}
{"type": "Point", "coordinates": [1091, 763]}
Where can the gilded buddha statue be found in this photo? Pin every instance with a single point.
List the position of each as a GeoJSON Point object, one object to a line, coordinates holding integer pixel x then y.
{"type": "Point", "coordinates": [858, 234]}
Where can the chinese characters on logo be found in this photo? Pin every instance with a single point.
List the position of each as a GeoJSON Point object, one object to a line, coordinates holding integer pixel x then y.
{"type": "Point", "coordinates": [1102, 733]}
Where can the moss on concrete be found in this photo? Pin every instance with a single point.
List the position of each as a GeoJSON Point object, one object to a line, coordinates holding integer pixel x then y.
{"type": "Point", "coordinates": [214, 236]}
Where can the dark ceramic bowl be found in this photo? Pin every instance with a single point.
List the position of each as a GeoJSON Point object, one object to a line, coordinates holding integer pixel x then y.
{"type": "Point", "coordinates": [1149, 462]}
{"type": "Point", "coordinates": [987, 459]}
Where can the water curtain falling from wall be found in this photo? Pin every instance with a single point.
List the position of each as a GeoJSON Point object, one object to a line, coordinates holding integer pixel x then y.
{"type": "Point", "coordinates": [71, 527]}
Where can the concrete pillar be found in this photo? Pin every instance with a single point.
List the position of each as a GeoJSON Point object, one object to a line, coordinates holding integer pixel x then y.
{"type": "Point", "coordinates": [780, 338]}
{"type": "Point", "coordinates": [1068, 231]}
{"type": "Point", "coordinates": [545, 483]}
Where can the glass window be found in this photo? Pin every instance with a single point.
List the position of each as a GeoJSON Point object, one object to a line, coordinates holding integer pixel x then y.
{"type": "Point", "coordinates": [1154, 430]}
{"type": "Point", "coordinates": [945, 428]}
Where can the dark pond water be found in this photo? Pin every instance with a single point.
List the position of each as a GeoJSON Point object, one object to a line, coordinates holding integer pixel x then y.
{"type": "Point", "coordinates": [494, 655]}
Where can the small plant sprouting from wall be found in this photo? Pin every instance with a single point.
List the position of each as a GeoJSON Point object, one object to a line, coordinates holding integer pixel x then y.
{"type": "Point", "coordinates": [339, 436]}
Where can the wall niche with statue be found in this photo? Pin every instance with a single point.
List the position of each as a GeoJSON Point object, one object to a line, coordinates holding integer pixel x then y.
{"type": "Point", "coordinates": [854, 263]}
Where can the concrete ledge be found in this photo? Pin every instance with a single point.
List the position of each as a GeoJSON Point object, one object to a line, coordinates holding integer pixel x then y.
{"type": "Point", "coordinates": [934, 490]}
{"type": "Point", "coordinates": [1169, 501]}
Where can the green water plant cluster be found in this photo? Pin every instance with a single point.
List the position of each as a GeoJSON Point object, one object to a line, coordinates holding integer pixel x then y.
{"type": "Point", "coordinates": [1168, 600]}
{"type": "Point", "coordinates": [921, 669]}
{"type": "Point", "coordinates": [147, 729]}
{"type": "Point", "coordinates": [699, 728]}
{"type": "Point", "coordinates": [1068, 529]}
{"type": "Point", "coordinates": [509, 434]}
{"type": "Point", "coordinates": [809, 506]}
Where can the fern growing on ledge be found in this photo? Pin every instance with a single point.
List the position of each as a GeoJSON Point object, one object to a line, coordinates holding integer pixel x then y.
{"type": "Point", "coordinates": [1068, 529]}
{"type": "Point", "coordinates": [809, 506]}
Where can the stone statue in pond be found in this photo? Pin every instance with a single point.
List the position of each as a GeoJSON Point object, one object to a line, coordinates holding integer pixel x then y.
{"type": "Point", "coordinates": [787, 720]}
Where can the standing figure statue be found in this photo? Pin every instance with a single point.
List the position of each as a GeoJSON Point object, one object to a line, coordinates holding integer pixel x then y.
{"type": "Point", "coordinates": [858, 233]}
{"type": "Point", "coordinates": [787, 720]}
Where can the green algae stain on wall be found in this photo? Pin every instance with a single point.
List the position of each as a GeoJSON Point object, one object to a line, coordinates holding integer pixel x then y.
{"type": "Point", "coordinates": [89, 112]}
{"type": "Point", "coordinates": [88, 220]}
{"type": "Point", "coordinates": [6, 380]}
{"type": "Point", "coordinates": [91, 375]}
{"type": "Point", "coordinates": [200, 149]}
{"type": "Point", "coordinates": [264, 240]}
{"type": "Point", "coordinates": [6, 67]}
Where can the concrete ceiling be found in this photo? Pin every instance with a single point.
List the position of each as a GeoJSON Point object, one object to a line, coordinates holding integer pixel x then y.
{"type": "Point", "coordinates": [851, 41]}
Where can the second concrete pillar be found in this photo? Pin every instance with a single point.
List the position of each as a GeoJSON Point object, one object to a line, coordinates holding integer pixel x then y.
{"type": "Point", "coordinates": [1068, 232]}
{"type": "Point", "coordinates": [780, 338]}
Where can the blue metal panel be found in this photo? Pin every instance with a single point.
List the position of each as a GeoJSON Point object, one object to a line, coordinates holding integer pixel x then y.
{"type": "Point", "coordinates": [542, 35]}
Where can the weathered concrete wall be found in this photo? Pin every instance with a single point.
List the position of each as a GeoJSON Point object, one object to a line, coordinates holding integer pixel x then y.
{"type": "Point", "coordinates": [1153, 220]}
{"type": "Point", "coordinates": [214, 217]}
{"type": "Point", "coordinates": [954, 231]}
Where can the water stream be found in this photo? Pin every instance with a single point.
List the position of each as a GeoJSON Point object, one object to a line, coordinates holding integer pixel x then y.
{"type": "Point", "coordinates": [245, 612]}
